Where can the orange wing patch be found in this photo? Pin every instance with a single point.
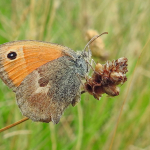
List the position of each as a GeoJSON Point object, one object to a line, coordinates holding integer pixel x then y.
{"type": "Point", "coordinates": [30, 56]}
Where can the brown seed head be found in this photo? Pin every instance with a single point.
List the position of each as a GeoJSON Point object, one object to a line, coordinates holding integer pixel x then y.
{"type": "Point", "coordinates": [106, 77]}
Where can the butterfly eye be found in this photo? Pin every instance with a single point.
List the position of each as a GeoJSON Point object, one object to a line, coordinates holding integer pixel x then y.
{"type": "Point", "coordinates": [12, 55]}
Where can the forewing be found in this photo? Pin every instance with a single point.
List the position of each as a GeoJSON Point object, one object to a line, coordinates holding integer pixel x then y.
{"type": "Point", "coordinates": [30, 56]}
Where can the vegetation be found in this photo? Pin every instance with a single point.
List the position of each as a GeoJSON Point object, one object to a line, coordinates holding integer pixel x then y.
{"type": "Point", "coordinates": [119, 123]}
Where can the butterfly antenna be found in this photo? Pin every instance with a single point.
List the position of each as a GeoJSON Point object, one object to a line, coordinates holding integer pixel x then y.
{"type": "Point", "coordinates": [93, 39]}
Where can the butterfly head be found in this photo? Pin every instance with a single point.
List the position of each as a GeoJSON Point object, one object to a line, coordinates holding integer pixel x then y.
{"type": "Point", "coordinates": [84, 57]}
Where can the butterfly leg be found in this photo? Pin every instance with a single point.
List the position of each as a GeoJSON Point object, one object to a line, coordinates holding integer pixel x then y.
{"type": "Point", "coordinates": [92, 61]}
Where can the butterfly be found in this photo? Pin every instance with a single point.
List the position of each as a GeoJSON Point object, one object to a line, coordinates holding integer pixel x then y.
{"type": "Point", "coordinates": [46, 77]}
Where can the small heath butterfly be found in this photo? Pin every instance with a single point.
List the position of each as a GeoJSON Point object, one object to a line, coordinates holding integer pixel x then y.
{"type": "Point", "coordinates": [46, 77]}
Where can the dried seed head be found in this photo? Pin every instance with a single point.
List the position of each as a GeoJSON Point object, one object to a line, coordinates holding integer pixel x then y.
{"type": "Point", "coordinates": [89, 88]}
{"type": "Point", "coordinates": [116, 77]}
{"type": "Point", "coordinates": [106, 78]}
{"type": "Point", "coordinates": [99, 68]}
{"type": "Point", "coordinates": [111, 90]}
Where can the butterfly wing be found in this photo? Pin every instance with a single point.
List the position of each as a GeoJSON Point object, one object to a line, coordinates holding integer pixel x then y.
{"type": "Point", "coordinates": [30, 56]}
{"type": "Point", "coordinates": [45, 93]}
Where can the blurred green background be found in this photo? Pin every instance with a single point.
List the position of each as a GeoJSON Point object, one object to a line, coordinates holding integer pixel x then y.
{"type": "Point", "coordinates": [91, 124]}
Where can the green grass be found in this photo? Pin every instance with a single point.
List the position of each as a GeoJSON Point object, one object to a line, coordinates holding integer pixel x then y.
{"type": "Point", "coordinates": [91, 124]}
